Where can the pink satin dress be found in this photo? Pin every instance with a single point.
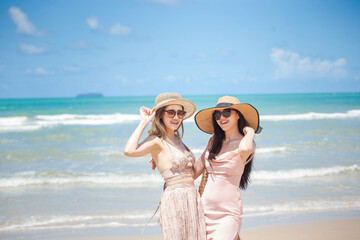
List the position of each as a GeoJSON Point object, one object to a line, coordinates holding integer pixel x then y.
{"type": "Point", "coordinates": [181, 213]}
{"type": "Point", "coordinates": [221, 197]}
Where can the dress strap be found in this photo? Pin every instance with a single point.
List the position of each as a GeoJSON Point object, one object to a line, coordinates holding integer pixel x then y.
{"type": "Point", "coordinates": [186, 146]}
{"type": "Point", "coordinates": [169, 145]}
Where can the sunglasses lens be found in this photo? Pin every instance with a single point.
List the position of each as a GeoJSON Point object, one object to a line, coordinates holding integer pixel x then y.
{"type": "Point", "coordinates": [217, 115]}
{"type": "Point", "coordinates": [171, 113]}
{"type": "Point", "coordinates": [181, 114]}
{"type": "Point", "coordinates": [226, 113]}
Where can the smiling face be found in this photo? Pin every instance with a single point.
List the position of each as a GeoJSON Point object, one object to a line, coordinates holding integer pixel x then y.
{"type": "Point", "coordinates": [172, 123]}
{"type": "Point", "coordinates": [227, 123]}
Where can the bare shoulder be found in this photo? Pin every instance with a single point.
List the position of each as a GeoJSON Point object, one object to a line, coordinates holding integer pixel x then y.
{"type": "Point", "coordinates": [154, 141]}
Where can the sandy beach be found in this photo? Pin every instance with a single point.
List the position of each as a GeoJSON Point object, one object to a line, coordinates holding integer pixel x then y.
{"type": "Point", "coordinates": [329, 229]}
{"type": "Point", "coordinates": [348, 229]}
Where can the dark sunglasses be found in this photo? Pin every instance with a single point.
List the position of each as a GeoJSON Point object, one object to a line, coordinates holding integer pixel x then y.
{"type": "Point", "coordinates": [226, 113]}
{"type": "Point", "coordinates": [171, 113]}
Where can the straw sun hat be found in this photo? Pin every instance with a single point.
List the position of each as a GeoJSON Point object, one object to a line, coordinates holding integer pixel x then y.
{"type": "Point", "coordinates": [166, 99]}
{"type": "Point", "coordinates": [203, 118]}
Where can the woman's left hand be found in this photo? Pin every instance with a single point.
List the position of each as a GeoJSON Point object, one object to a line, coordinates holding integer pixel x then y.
{"type": "Point", "coordinates": [147, 114]}
{"type": "Point", "coordinates": [248, 129]}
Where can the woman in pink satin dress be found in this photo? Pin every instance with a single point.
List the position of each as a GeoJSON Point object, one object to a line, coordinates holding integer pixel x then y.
{"type": "Point", "coordinates": [228, 161]}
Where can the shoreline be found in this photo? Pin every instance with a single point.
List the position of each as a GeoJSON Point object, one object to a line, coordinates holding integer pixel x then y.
{"type": "Point", "coordinates": [346, 228]}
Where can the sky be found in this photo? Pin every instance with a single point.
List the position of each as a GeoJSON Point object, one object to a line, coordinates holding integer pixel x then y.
{"type": "Point", "coordinates": [51, 48]}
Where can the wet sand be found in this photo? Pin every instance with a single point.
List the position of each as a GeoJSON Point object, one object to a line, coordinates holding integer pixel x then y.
{"type": "Point", "coordinates": [348, 229]}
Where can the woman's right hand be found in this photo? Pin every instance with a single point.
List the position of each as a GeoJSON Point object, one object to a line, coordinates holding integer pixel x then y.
{"type": "Point", "coordinates": [147, 114]}
{"type": "Point", "coordinates": [153, 164]}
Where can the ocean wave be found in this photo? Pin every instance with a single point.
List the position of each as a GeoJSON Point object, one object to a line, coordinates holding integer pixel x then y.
{"type": "Point", "coordinates": [130, 219]}
{"type": "Point", "coordinates": [270, 150]}
{"type": "Point", "coordinates": [70, 119]}
{"type": "Point", "coordinates": [303, 173]}
{"type": "Point", "coordinates": [198, 150]}
{"type": "Point", "coordinates": [137, 218]}
{"type": "Point", "coordinates": [57, 178]}
{"type": "Point", "coordinates": [303, 206]}
{"type": "Point", "coordinates": [133, 179]}
{"type": "Point", "coordinates": [23, 123]}
{"type": "Point", "coordinates": [312, 116]}
{"type": "Point", "coordinates": [16, 124]}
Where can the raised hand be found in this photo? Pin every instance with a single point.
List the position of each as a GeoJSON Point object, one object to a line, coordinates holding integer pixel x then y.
{"type": "Point", "coordinates": [147, 114]}
{"type": "Point", "coordinates": [247, 130]}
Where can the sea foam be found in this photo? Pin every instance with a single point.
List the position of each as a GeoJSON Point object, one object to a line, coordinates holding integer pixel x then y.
{"type": "Point", "coordinates": [131, 180]}
{"type": "Point", "coordinates": [129, 219]}
{"type": "Point", "coordinates": [303, 206]}
{"type": "Point", "coordinates": [137, 218]}
{"type": "Point", "coordinates": [312, 116]}
{"type": "Point", "coordinates": [23, 123]}
{"type": "Point", "coordinates": [303, 173]}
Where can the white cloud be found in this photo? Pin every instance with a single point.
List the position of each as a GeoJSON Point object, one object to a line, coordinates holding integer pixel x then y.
{"type": "Point", "coordinates": [172, 78]}
{"type": "Point", "coordinates": [291, 65]}
{"type": "Point", "coordinates": [167, 2]}
{"type": "Point", "coordinates": [202, 55]}
{"type": "Point", "coordinates": [180, 79]}
{"type": "Point", "coordinates": [212, 75]}
{"type": "Point", "coordinates": [72, 68]}
{"type": "Point", "coordinates": [122, 79]}
{"type": "Point", "coordinates": [224, 52]}
{"type": "Point", "coordinates": [118, 29]}
{"type": "Point", "coordinates": [39, 71]}
{"type": "Point", "coordinates": [24, 26]}
{"type": "Point", "coordinates": [79, 45]}
{"type": "Point", "coordinates": [31, 49]}
{"type": "Point", "coordinates": [93, 22]}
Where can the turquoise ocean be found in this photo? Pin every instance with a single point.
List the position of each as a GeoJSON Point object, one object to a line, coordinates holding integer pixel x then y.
{"type": "Point", "coordinates": [63, 172]}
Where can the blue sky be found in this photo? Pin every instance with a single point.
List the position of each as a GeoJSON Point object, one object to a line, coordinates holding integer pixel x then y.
{"type": "Point", "coordinates": [145, 47]}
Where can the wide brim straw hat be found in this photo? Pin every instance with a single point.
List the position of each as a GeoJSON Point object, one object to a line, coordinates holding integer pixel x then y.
{"type": "Point", "coordinates": [166, 99]}
{"type": "Point", "coordinates": [203, 118]}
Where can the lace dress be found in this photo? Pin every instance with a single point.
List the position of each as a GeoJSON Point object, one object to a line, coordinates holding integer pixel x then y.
{"type": "Point", "coordinates": [181, 212]}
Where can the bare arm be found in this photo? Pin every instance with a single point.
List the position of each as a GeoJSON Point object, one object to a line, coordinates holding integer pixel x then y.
{"type": "Point", "coordinates": [247, 145]}
{"type": "Point", "coordinates": [132, 148]}
{"type": "Point", "coordinates": [200, 163]}
{"type": "Point", "coordinates": [199, 166]}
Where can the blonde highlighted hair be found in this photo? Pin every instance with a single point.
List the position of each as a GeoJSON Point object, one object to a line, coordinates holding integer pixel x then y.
{"type": "Point", "coordinates": [158, 128]}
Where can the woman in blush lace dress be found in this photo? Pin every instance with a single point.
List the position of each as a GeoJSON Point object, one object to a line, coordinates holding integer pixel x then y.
{"type": "Point", "coordinates": [181, 211]}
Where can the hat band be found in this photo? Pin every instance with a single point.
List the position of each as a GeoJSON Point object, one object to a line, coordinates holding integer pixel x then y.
{"type": "Point", "coordinates": [224, 104]}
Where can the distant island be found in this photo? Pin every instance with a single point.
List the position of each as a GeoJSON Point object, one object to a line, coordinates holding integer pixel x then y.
{"type": "Point", "coordinates": [90, 95]}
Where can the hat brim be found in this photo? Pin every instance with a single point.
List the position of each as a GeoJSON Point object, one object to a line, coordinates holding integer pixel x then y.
{"type": "Point", "coordinates": [189, 107]}
{"type": "Point", "coordinates": [203, 118]}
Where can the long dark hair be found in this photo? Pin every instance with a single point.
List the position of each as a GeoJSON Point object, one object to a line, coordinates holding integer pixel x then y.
{"type": "Point", "coordinates": [217, 140]}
